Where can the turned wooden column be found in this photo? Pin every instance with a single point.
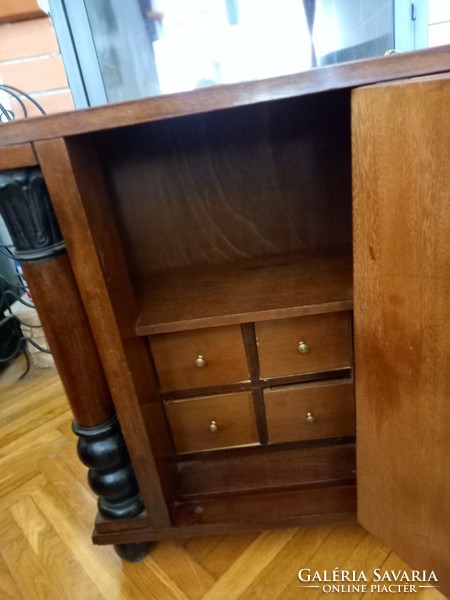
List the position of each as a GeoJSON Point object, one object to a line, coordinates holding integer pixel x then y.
{"type": "Point", "coordinates": [38, 245]}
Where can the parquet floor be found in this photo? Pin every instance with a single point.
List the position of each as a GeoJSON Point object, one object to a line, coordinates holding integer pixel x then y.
{"type": "Point", "coordinates": [47, 511]}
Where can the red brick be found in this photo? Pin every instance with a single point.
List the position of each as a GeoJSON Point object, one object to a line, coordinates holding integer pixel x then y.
{"type": "Point", "coordinates": [37, 75]}
{"type": "Point", "coordinates": [28, 38]}
{"type": "Point", "coordinates": [51, 103]}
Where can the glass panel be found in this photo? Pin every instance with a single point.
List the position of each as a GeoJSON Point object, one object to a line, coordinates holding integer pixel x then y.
{"type": "Point", "coordinates": [352, 29]}
{"type": "Point", "coordinates": [206, 42]}
{"type": "Point", "coordinates": [123, 38]}
{"type": "Point", "coordinates": [148, 47]}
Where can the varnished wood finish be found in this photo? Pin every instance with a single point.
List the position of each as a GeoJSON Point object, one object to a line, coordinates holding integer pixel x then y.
{"type": "Point", "coordinates": [17, 156]}
{"type": "Point", "coordinates": [223, 515]}
{"type": "Point", "coordinates": [346, 75]}
{"type": "Point", "coordinates": [105, 252]}
{"type": "Point", "coordinates": [260, 383]}
{"type": "Point", "coordinates": [304, 506]}
{"type": "Point", "coordinates": [232, 185]}
{"type": "Point", "coordinates": [233, 415]}
{"type": "Point", "coordinates": [67, 175]}
{"type": "Point", "coordinates": [56, 296]}
{"type": "Point", "coordinates": [221, 348]}
{"type": "Point", "coordinates": [402, 317]}
{"type": "Point", "coordinates": [265, 469]}
{"type": "Point", "coordinates": [260, 414]}
{"type": "Point", "coordinates": [259, 172]}
{"type": "Point", "coordinates": [259, 289]}
{"type": "Point", "coordinates": [248, 336]}
{"type": "Point", "coordinates": [46, 513]}
{"type": "Point", "coordinates": [328, 337]}
{"type": "Point", "coordinates": [331, 405]}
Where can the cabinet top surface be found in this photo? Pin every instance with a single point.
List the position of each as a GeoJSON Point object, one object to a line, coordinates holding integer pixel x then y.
{"type": "Point", "coordinates": [321, 79]}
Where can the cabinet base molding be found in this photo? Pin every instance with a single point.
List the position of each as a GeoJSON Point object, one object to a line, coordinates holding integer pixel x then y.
{"type": "Point", "coordinates": [255, 512]}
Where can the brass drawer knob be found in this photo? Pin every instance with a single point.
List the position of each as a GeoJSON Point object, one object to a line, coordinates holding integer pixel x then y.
{"type": "Point", "coordinates": [303, 347]}
{"type": "Point", "coordinates": [200, 361]}
{"type": "Point", "coordinates": [213, 427]}
{"type": "Point", "coordinates": [310, 419]}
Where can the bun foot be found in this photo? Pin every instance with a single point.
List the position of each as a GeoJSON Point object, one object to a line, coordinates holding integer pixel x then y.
{"type": "Point", "coordinates": [133, 553]}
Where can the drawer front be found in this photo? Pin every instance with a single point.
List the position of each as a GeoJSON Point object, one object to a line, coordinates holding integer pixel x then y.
{"type": "Point", "coordinates": [310, 411]}
{"type": "Point", "coordinates": [212, 422]}
{"type": "Point", "coordinates": [200, 358]}
{"type": "Point", "coordinates": [304, 344]}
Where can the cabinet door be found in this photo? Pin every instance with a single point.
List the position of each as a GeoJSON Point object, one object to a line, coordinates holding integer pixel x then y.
{"type": "Point", "coordinates": [401, 166]}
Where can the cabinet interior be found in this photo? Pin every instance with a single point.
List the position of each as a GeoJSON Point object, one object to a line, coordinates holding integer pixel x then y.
{"type": "Point", "coordinates": [226, 214]}
{"type": "Point", "coordinates": [237, 216]}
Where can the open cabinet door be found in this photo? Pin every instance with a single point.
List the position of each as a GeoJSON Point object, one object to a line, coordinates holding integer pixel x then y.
{"type": "Point", "coordinates": [401, 171]}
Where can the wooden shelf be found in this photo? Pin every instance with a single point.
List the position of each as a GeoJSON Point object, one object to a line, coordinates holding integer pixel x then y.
{"type": "Point", "coordinates": [255, 290]}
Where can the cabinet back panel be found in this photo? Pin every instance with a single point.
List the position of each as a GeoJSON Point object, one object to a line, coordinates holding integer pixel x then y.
{"type": "Point", "coordinates": [224, 186]}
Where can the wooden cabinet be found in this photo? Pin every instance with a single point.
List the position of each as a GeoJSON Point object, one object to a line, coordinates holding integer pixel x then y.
{"type": "Point", "coordinates": [210, 257]}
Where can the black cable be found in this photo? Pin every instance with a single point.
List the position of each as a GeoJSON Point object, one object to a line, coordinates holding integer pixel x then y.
{"type": "Point", "coordinates": [27, 358]}
{"type": "Point", "coordinates": [13, 316]}
{"type": "Point", "coordinates": [11, 293]}
{"type": "Point", "coordinates": [33, 343]}
{"type": "Point", "coordinates": [17, 285]}
{"type": "Point", "coordinates": [19, 100]}
{"type": "Point", "coordinates": [7, 88]}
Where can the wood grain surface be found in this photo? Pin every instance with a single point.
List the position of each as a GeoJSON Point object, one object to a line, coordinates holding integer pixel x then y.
{"type": "Point", "coordinates": [222, 349]}
{"type": "Point", "coordinates": [71, 185]}
{"type": "Point", "coordinates": [252, 290]}
{"type": "Point", "coordinates": [328, 337]}
{"type": "Point", "coordinates": [266, 469]}
{"type": "Point", "coordinates": [331, 405]}
{"type": "Point", "coordinates": [231, 185]}
{"type": "Point", "coordinates": [402, 317]}
{"type": "Point", "coordinates": [232, 413]}
{"type": "Point", "coordinates": [17, 156]}
{"type": "Point", "coordinates": [63, 316]}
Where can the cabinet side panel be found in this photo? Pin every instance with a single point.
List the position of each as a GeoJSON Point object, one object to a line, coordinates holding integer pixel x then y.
{"type": "Point", "coordinates": [78, 196]}
{"type": "Point", "coordinates": [401, 153]}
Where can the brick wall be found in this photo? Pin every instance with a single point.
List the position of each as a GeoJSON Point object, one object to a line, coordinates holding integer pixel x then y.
{"type": "Point", "coordinates": [30, 58]}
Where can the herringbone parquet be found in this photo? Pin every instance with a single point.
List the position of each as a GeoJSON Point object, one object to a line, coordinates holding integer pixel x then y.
{"type": "Point", "coordinates": [47, 511]}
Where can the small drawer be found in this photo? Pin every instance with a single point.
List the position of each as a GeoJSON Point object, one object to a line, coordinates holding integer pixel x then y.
{"type": "Point", "coordinates": [310, 411]}
{"type": "Point", "coordinates": [212, 422]}
{"type": "Point", "coordinates": [200, 358]}
{"type": "Point", "coordinates": [304, 344]}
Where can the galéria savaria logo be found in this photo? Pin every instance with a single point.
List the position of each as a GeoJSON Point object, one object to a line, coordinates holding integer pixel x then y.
{"type": "Point", "coordinates": [376, 581]}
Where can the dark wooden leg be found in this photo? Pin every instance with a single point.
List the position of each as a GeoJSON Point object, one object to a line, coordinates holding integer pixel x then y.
{"type": "Point", "coordinates": [32, 225]}
{"type": "Point", "coordinates": [110, 476]}
{"type": "Point", "coordinates": [133, 552]}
